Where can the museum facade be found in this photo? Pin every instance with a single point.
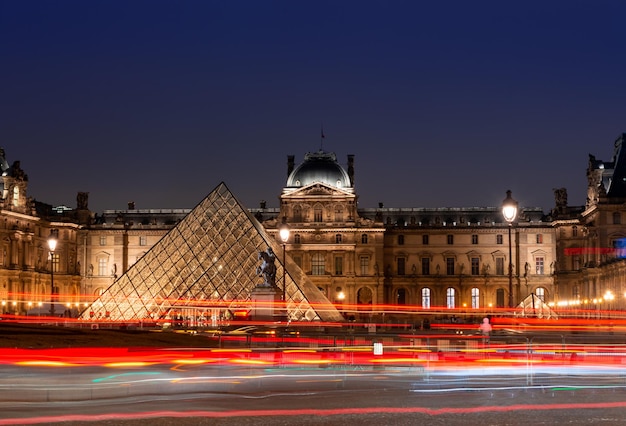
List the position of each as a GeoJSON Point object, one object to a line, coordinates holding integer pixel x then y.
{"type": "Point", "coordinates": [378, 258]}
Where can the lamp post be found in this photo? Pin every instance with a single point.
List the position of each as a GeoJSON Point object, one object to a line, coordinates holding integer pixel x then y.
{"type": "Point", "coordinates": [284, 237]}
{"type": "Point", "coordinates": [52, 245]}
{"type": "Point", "coordinates": [509, 211]}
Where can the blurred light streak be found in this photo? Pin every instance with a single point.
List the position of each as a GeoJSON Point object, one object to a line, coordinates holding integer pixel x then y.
{"type": "Point", "coordinates": [314, 412]}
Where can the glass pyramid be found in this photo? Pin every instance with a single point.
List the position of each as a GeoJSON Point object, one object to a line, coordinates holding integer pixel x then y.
{"type": "Point", "coordinates": [207, 264]}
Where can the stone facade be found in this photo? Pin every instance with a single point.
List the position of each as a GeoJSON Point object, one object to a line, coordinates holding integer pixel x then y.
{"type": "Point", "coordinates": [358, 257]}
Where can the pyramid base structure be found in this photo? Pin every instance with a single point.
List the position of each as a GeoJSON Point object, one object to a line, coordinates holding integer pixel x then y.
{"type": "Point", "coordinates": [206, 268]}
{"type": "Point", "coordinates": [533, 307]}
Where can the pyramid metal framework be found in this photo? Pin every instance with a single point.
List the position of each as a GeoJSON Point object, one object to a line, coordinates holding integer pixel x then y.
{"type": "Point", "coordinates": [207, 263]}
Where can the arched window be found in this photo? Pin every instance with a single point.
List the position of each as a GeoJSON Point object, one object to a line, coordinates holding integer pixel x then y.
{"type": "Point", "coordinates": [541, 293]}
{"type": "Point", "coordinates": [475, 298]}
{"type": "Point", "coordinates": [401, 296]}
{"type": "Point", "coordinates": [426, 298]}
{"type": "Point", "coordinates": [450, 298]}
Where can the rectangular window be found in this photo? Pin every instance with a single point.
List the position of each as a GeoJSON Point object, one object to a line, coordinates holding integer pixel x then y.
{"type": "Point", "coordinates": [475, 266]}
{"type": "Point", "coordinates": [539, 265]}
{"type": "Point", "coordinates": [317, 214]}
{"type": "Point", "coordinates": [400, 240]}
{"type": "Point", "coordinates": [365, 265]}
{"type": "Point", "coordinates": [499, 265]}
{"type": "Point", "coordinates": [102, 267]}
{"type": "Point", "coordinates": [539, 238]}
{"type": "Point", "coordinates": [338, 265]}
{"type": "Point", "coordinates": [450, 239]}
{"type": "Point", "coordinates": [499, 239]}
{"type": "Point", "coordinates": [103, 240]}
{"type": "Point", "coordinates": [474, 239]}
{"type": "Point", "coordinates": [55, 262]}
{"type": "Point", "coordinates": [401, 265]}
{"type": "Point", "coordinates": [338, 238]}
{"type": "Point", "coordinates": [450, 265]}
{"type": "Point", "coordinates": [143, 240]}
{"type": "Point", "coordinates": [364, 239]}
{"type": "Point", "coordinates": [425, 240]}
{"type": "Point", "coordinates": [425, 266]}
{"type": "Point", "coordinates": [318, 264]}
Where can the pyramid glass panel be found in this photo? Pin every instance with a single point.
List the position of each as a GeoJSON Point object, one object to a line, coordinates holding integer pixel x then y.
{"type": "Point", "coordinates": [208, 261]}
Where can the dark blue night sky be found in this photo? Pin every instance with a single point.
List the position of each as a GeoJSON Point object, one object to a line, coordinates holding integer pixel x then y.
{"type": "Point", "coordinates": [443, 103]}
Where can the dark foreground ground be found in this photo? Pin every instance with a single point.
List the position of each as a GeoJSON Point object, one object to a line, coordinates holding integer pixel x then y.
{"type": "Point", "coordinates": [35, 336]}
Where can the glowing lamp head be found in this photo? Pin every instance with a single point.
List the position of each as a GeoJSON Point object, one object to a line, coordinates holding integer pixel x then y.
{"type": "Point", "coordinates": [52, 242]}
{"type": "Point", "coordinates": [509, 208]}
{"type": "Point", "coordinates": [283, 231]}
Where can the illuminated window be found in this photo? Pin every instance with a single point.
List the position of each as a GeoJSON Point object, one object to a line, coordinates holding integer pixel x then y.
{"type": "Point", "coordinates": [16, 196]}
{"type": "Point", "coordinates": [499, 239]}
{"type": "Point", "coordinates": [318, 265]}
{"type": "Point", "coordinates": [102, 266]}
{"type": "Point", "coordinates": [425, 266]}
{"type": "Point", "coordinates": [103, 240]}
{"type": "Point", "coordinates": [426, 298]}
{"type": "Point", "coordinates": [450, 265]}
{"type": "Point", "coordinates": [55, 262]}
{"type": "Point", "coordinates": [450, 298]}
{"type": "Point", "coordinates": [475, 266]}
{"type": "Point", "coordinates": [474, 239]}
{"type": "Point", "coordinates": [475, 298]}
{"type": "Point", "coordinates": [539, 238]}
{"type": "Point", "coordinates": [539, 265]}
{"type": "Point", "coordinates": [365, 265]}
{"type": "Point", "coordinates": [143, 240]}
{"type": "Point", "coordinates": [541, 294]}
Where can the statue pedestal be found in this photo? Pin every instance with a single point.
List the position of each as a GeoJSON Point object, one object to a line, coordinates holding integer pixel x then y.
{"type": "Point", "coordinates": [266, 304]}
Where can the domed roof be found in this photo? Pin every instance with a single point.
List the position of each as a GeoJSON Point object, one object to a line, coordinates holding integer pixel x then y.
{"type": "Point", "coordinates": [319, 167]}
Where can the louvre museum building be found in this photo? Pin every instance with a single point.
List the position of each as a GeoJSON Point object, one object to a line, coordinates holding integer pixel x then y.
{"type": "Point", "coordinates": [338, 260]}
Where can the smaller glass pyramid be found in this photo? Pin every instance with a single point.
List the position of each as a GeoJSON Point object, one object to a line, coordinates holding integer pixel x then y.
{"type": "Point", "coordinates": [207, 265]}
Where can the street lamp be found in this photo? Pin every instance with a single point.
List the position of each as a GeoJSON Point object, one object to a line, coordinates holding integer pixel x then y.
{"type": "Point", "coordinates": [509, 211]}
{"type": "Point", "coordinates": [52, 245]}
{"type": "Point", "coordinates": [284, 237]}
